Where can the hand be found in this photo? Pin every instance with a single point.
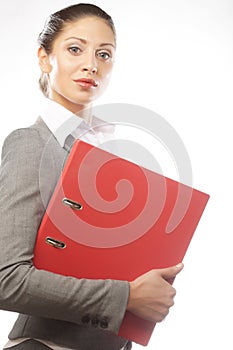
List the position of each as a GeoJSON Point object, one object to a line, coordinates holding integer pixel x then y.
{"type": "Point", "coordinates": [151, 295]}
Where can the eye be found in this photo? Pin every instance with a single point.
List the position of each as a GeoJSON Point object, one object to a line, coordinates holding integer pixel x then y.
{"type": "Point", "coordinates": [104, 55]}
{"type": "Point", "coordinates": [74, 49]}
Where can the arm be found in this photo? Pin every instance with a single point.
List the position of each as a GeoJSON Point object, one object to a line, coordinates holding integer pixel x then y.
{"type": "Point", "coordinates": [23, 288]}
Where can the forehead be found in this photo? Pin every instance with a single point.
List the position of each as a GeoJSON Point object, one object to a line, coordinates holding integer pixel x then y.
{"type": "Point", "coordinates": [88, 28]}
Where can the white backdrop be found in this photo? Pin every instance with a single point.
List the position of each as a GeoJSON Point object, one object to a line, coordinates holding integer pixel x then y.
{"type": "Point", "coordinates": [175, 58]}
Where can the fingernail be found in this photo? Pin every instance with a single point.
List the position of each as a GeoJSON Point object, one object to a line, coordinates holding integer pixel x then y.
{"type": "Point", "coordinates": [179, 265]}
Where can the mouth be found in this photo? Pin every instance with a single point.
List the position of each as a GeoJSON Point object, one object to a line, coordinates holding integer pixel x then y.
{"type": "Point", "coordinates": [86, 83]}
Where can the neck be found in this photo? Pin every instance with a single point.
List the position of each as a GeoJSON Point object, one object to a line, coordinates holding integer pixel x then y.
{"type": "Point", "coordinates": [86, 114]}
{"type": "Point", "coordinates": [82, 110]}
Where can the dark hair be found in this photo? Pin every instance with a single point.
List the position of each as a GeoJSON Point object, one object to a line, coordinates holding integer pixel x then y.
{"type": "Point", "coordinates": [55, 24]}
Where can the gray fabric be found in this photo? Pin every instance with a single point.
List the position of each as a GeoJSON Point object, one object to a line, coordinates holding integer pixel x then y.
{"type": "Point", "coordinates": [35, 345]}
{"type": "Point", "coordinates": [83, 314]}
{"type": "Point", "coordinates": [30, 345]}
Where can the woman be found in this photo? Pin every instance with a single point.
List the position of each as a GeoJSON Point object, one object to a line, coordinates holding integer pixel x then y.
{"type": "Point", "coordinates": [76, 54]}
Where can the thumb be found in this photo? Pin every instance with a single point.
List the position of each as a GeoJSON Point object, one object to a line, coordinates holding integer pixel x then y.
{"type": "Point", "coordinates": [172, 271]}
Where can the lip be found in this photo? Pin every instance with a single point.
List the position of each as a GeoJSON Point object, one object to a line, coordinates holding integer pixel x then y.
{"type": "Point", "coordinates": [85, 82]}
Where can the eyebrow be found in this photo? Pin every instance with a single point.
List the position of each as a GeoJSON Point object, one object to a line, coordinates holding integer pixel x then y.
{"type": "Point", "coordinates": [85, 41]}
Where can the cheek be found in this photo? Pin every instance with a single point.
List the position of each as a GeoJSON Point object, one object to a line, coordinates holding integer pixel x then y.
{"type": "Point", "coordinates": [106, 73]}
{"type": "Point", "coordinates": [60, 68]}
{"type": "Point", "coordinates": [104, 83]}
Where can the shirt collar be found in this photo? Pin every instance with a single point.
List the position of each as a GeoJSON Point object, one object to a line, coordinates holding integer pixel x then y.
{"type": "Point", "coordinates": [62, 122]}
{"type": "Point", "coordinates": [59, 120]}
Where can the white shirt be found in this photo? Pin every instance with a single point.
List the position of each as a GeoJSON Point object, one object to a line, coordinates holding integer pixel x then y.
{"type": "Point", "coordinates": [61, 123]}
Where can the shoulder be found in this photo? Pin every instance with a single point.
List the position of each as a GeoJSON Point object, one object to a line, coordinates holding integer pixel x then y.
{"type": "Point", "coordinates": [23, 140]}
{"type": "Point", "coordinates": [29, 140]}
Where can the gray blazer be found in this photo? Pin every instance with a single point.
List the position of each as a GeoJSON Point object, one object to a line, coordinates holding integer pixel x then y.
{"type": "Point", "coordinates": [83, 314]}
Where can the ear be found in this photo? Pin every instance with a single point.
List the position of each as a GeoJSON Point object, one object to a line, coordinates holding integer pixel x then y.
{"type": "Point", "coordinates": [44, 63]}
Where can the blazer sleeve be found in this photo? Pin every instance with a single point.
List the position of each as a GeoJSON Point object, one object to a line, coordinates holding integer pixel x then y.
{"type": "Point", "coordinates": [23, 288]}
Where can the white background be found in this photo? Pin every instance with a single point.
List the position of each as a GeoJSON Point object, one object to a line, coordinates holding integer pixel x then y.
{"type": "Point", "coordinates": [175, 58]}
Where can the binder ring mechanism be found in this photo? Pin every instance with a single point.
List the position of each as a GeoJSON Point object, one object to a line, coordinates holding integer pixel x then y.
{"type": "Point", "coordinates": [55, 243]}
{"type": "Point", "coordinates": [72, 204]}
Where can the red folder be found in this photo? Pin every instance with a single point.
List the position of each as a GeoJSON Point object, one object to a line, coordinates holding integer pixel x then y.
{"type": "Point", "coordinates": [109, 218]}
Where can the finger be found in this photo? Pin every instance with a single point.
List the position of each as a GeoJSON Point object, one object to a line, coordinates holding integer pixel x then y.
{"type": "Point", "coordinates": [171, 272]}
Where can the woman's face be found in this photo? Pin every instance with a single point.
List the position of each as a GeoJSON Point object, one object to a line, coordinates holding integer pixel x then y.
{"type": "Point", "coordinates": [81, 62]}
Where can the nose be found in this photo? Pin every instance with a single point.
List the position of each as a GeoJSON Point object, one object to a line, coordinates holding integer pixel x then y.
{"type": "Point", "coordinates": [90, 64]}
{"type": "Point", "coordinates": [89, 69]}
